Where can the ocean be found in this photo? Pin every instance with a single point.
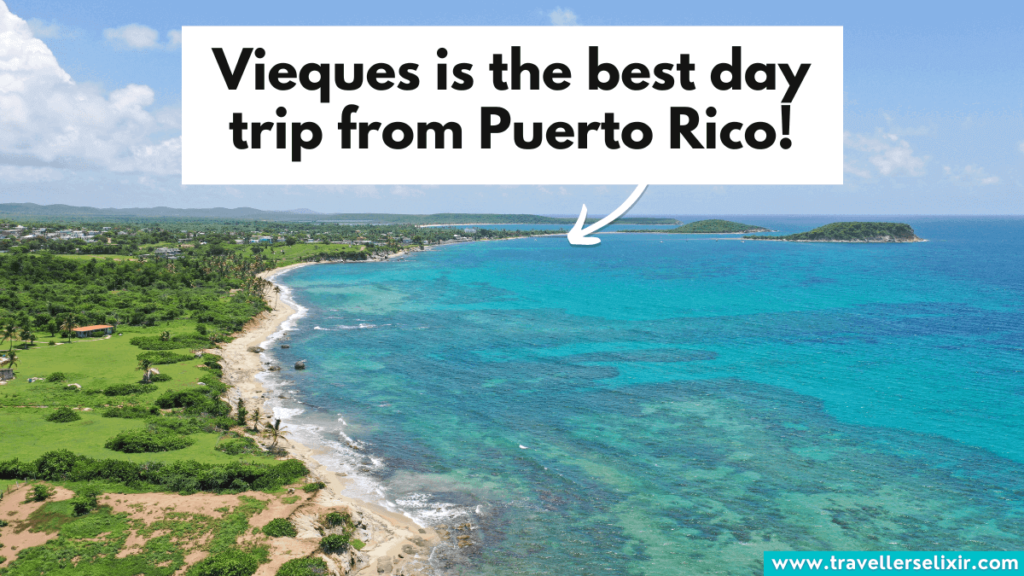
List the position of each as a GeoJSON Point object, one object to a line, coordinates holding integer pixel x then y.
{"type": "Point", "coordinates": [674, 404]}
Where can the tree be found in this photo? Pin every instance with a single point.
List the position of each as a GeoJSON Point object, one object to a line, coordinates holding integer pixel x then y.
{"type": "Point", "coordinates": [9, 330]}
{"type": "Point", "coordinates": [256, 418]}
{"type": "Point", "coordinates": [68, 325]}
{"type": "Point", "coordinates": [11, 361]}
{"type": "Point", "coordinates": [146, 365]}
{"type": "Point", "coordinates": [241, 411]}
{"type": "Point", "coordinates": [275, 432]}
{"type": "Point", "coordinates": [277, 295]}
{"type": "Point", "coordinates": [52, 327]}
{"type": "Point", "coordinates": [27, 338]}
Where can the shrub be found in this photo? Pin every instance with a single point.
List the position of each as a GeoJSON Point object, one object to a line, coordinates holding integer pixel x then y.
{"type": "Point", "coordinates": [194, 401]}
{"type": "Point", "coordinates": [63, 414]}
{"type": "Point", "coordinates": [52, 343]}
{"type": "Point", "coordinates": [314, 486]}
{"type": "Point", "coordinates": [334, 519]}
{"type": "Point", "coordinates": [163, 357]}
{"type": "Point", "coordinates": [85, 500]}
{"type": "Point", "coordinates": [128, 389]}
{"type": "Point", "coordinates": [180, 476]}
{"type": "Point", "coordinates": [57, 377]}
{"type": "Point", "coordinates": [239, 445]}
{"type": "Point", "coordinates": [280, 527]}
{"type": "Point", "coordinates": [175, 343]}
{"type": "Point", "coordinates": [159, 378]}
{"type": "Point", "coordinates": [3, 523]}
{"type": "Point", "coordinates": [131, 412]}
{"type": "Point", "coordinates": [41, 492]}
{"type": "Point", "coordinates": [231, 562]}
{"type": "Point", "coordinates": [145, 440]}
{"type": "Point", "coordinates": [303, 567]}
{"type": "Point", "coordinates": [334, 543]}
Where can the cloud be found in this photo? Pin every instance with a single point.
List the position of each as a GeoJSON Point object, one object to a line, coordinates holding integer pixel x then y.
{"type": "Point", "coordinates": [141, 37]}
{"type": "Point", "coordinates": [970, 174]}
{"type": "Point", "coordinates": [562, 17]}
{"type": "Point", "coordinates": [42, 29]}
{"type": "Point", "coordinates": [1021, 147]}
{"type": "Point", "coordinates": [888, 153]}
{"type": "Point", "coordinates": [46, 116]}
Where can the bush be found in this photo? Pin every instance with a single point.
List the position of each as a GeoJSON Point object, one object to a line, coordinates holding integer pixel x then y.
{"type": "Point", "coordinates": [63, 414]}
{"type": "Point", "coordinates": [228, 563]}
{"type": "Point", "coordinates": [3, 524]}
{"type": "Point", "coordinates": [145, 440]}
{"type": "Point", "coordinates": [239, 445]}
{"type": "Point", "coordinates": [131, 412]}
{"type": "Point", "coordinates": [164, 357]}
{"type": "Point", "coordinates": [181, 476]}
{"type": "Point", "coordinates": [85, 500]}
{"type": "Point", "coordinates": [280, 527]}
{"type": "Point", "coordinates": [128, 389]}
{"type": "Point", "coordinates": [41, 492]}
{"type": "Point", "coordinates": [334, 519]}
{"type": "Point", "coordinates": [314, 486]}
{"type": "Point", "coordinates": [175, 343]}
{"type": "Point", "coordinates": [303, 567]}
{"type": "Point", "coordinates": [334, 543]}
{"type": "Point", "coordinates": [57, 377]}
{"type": "Point", "coordinates": [200, 400]}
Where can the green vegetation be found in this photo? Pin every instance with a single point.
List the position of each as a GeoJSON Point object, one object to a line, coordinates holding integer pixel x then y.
{"type": "Point", "coordinates": [146, 440]}
{"type": "Point", "coordinates": [231, 562]}
{"type": "Point", "coordinates": [335, 543]}
{"type": "Point", "coordinates": [334, 519]}
{"type": "Point", "coordinates": [57, 377]}
{"type": "Point", "coordinates": [851, 232]}
{"type": "Point", "coordinates": [303, 567]}
{"type": "Point", "coordinates": [40, 492]}
{"type": "Point", "coordinates": [314, 486]}
{"type": "Point", "coordinates": [63, 414]}
{"type": "Point", "coordinates": [183, 217]}
{"type": "Point", "coordinates": [280, 527]}
{"type": "Point", "coordinates": [716, 227]}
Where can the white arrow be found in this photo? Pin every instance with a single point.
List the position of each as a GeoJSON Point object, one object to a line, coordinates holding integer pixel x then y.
{"type": "Point", "coordinates": [578, 235]}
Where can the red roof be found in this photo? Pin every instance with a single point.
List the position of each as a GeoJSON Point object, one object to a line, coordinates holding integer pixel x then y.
{"type": "Point", "coordinates": [91, 328]}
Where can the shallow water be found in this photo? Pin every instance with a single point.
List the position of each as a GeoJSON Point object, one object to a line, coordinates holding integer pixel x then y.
{"type": "Point", "coordinates": [666, 404]}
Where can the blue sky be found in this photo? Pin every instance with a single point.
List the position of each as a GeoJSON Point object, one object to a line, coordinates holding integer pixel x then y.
{"type": "Point", "coordinates": [934, 107]}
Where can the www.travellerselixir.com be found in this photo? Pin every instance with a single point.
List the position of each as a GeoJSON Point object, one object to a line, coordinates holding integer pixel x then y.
{"type": "Point", "coordinates": [886, 562]}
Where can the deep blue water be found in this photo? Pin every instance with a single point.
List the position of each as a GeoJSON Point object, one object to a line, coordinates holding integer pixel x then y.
{"type": "Point", "coordinates": [685, 402]}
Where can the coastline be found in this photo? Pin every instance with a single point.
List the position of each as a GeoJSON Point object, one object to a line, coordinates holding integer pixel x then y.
{"type": "Point", "coordinates": [393, 541]}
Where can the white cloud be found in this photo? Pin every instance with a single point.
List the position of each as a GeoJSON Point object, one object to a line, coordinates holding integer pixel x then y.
{"type": "Point", "coordinates": [563, 17]}
{"type": "Point", "coordinates": [43, 29]}
{"type": "Point", "coordinates": [46, 116]}
{"type": "Point", "coordinates": [31, 174]}
{"type": "Point", "coordinates": [888, 153]}
{"type": "Point", "coordinates": [141, 37]}
{"type": "Point", "coordinates": [1021, 147]}
{"type": "Point", "coordinates": [970, 174]}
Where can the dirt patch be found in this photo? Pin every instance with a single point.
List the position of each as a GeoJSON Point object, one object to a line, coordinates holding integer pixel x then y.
{"type": "Point", "coordinates": [154, 506]}
{"type": "Point", "coordinates": [283, 550]}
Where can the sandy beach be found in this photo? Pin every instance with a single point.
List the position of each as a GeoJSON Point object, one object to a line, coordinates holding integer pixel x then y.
{"type": "Point", "coordinates": [394, 543]}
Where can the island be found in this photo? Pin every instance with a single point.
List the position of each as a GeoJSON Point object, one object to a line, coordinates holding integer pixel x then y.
{"type": "Point", "coordinates": [716, 227]}
{"type": "Point", "coordinates": [851, 232]}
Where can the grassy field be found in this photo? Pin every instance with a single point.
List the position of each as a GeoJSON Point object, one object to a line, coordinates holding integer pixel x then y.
{"type": "Point", "coordinates": [27, 435]}
{"type": "Point", "coordinates": [93, 363]}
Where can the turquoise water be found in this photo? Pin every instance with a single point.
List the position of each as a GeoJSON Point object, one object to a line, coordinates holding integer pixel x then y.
{"type": "Point", "coordinates": [665, 404]}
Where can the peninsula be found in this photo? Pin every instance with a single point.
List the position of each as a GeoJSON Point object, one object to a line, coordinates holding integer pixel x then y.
{"type": "Point", "coordinates": [875, 232]}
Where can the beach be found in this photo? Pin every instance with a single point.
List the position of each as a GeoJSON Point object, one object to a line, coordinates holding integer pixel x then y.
{"type": "Point", "coordinates": [395, 544]}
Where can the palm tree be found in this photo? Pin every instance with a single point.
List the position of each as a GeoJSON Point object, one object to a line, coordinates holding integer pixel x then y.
{"type": "Point", "coordinates": [145, 365]}
{"type": "Point", "coordinates": [68, 325]}
{"type": "Point", "coordinates": [277, 295]}
{"type": "Point", "coordinates": [256, 418]}
{"type": "Point", "coordinates": [9, 330]}
{"type": "Point", "coordinates": [11, 361]}
{"type": "Point", "coordinates": [275, 432]}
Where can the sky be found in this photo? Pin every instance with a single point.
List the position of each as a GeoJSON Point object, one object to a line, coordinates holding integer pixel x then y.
{"type": "Point", "coordinates": [90, 106]}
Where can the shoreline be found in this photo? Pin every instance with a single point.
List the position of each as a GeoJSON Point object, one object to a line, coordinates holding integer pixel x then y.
{"type": "Point", "coordinates": [395, 540]}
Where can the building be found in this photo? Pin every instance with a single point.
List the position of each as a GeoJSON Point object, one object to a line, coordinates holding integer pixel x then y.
{"type": "Point", "coordinates": [97, 330]}
{"type": "Point", "coordinates": [169, 253]}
